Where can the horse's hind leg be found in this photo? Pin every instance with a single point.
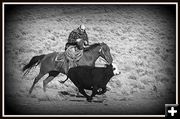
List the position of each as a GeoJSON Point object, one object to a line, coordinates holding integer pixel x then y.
{"type": "Point", "coordinates": [40, 75]}
{"type": "Point", "coordinates": [51, 76]}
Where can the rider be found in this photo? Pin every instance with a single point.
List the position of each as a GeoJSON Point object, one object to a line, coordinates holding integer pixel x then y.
{"type": "Point", "coordinates": [76, 35]}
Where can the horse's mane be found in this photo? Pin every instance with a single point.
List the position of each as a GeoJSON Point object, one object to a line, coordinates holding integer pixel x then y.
{"type": "Point", "coordinates": [92, 46]}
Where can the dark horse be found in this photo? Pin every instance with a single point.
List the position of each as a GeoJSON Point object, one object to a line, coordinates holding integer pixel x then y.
{"type": "Point", "coordinates": [49, 64]}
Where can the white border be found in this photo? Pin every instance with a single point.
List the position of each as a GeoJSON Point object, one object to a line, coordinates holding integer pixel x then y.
{"type": "Point", "coordinates": [87, 3]}
{"type": "Point", "coordinates": [176, 53]}
{"type": "Point", "coordinates": [3, 60]}
{"type": "Point", "coordinates": [94, 3]}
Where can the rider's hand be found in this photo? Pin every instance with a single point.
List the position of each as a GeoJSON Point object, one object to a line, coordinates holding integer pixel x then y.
{"type": "Point", "coordinates": [86, 43]}
{"type": "Point", "coordinates": [78, 40]}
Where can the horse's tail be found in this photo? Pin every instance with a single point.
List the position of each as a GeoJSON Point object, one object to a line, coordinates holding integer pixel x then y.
{"type": "Point", "coordinates": [33, 62]}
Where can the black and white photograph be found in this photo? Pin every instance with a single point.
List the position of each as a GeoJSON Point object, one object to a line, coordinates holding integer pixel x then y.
{"type": "Point", "coordinates": [89, 59]}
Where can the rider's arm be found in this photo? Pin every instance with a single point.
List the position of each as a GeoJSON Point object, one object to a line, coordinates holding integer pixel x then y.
{"type": "Point", "coordinates": [71, 38]}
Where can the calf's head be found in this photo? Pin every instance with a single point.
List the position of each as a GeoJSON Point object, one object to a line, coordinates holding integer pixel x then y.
{"type": "Point", "coordinates": [113, 67]}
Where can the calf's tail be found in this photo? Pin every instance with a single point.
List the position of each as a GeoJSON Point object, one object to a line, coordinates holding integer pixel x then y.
{"type": "Point", "coordinates": [62, 82]}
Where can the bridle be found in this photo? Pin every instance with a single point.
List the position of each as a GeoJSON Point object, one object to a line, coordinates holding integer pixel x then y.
{"type": "Point", "coordinates": [101, 51]}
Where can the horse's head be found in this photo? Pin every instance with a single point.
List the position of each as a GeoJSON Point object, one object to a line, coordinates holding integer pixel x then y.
{"type": "Point", "coordinates": [105, 53]}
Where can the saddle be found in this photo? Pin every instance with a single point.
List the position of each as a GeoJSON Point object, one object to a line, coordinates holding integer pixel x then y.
{"type": "Point", "coordinates": [72, 55]}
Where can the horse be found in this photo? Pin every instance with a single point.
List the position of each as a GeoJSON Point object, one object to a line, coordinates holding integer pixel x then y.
{"type": "Point", "coordinates": [49, 65]}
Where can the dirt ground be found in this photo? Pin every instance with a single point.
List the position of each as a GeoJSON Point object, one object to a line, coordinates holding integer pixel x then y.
{"type": "Point", "coordinates": [142, 43]}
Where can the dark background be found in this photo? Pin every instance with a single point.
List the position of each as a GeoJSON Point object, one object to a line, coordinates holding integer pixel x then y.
{"type": "Point", "coordinates": [11, 14]}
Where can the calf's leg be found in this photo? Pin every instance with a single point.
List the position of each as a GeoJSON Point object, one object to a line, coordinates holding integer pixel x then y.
{"type": "Point", "coordinates": [84, 93]}
{"type": "Point", "coordinates": [102, 92]}
{"type": "Point", "coordinates": [94, 92]}
{"type": "Point", "coordinates": [80, 88]}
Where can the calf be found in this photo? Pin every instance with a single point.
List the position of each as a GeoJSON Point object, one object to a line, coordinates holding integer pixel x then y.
{"type": "Point", "coordinates": [91, 78]}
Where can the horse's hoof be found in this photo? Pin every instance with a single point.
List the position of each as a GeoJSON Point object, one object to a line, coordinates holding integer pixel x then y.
{"type": "Point", "coordinates": [30, 92]}
{"type": "Point", "coordinates": [44, 89]}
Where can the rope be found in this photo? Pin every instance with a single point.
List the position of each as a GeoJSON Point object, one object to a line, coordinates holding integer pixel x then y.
{"type": "Point", "coordinates": [72, 54]}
